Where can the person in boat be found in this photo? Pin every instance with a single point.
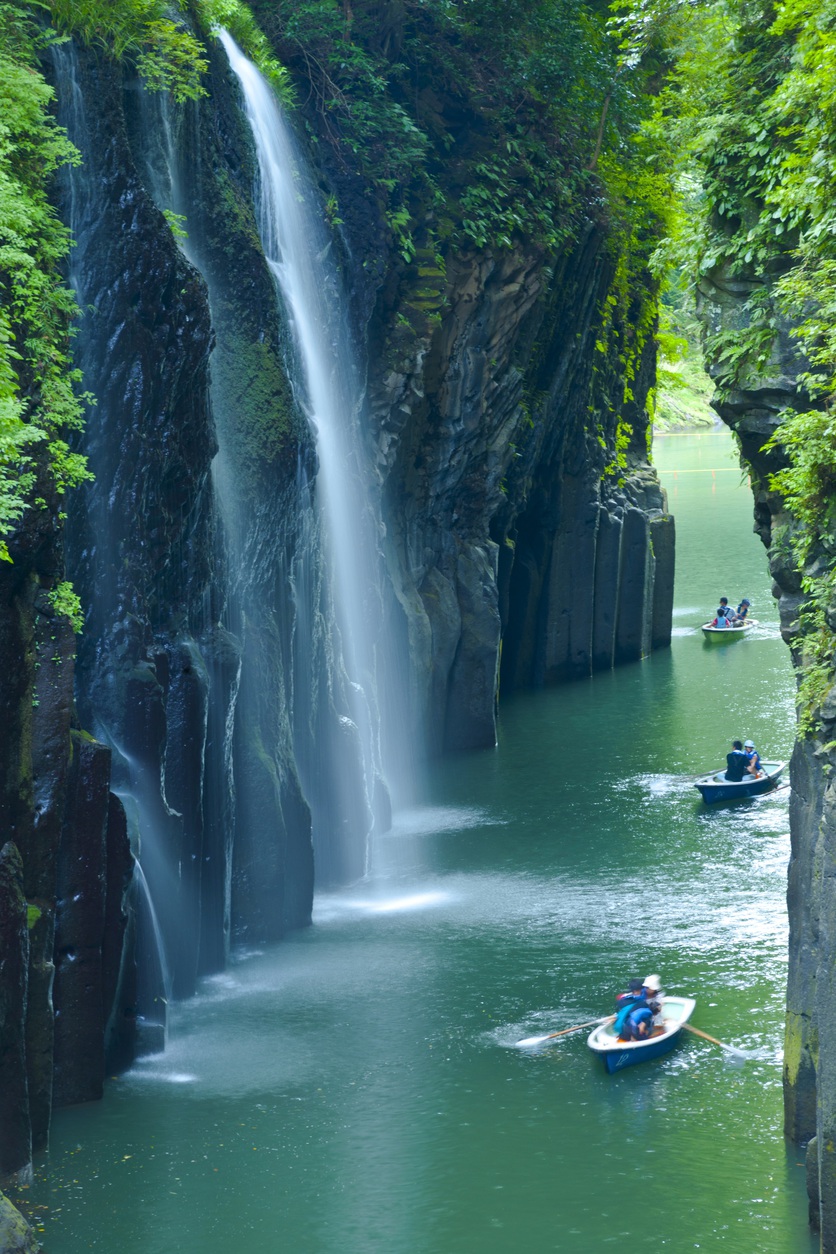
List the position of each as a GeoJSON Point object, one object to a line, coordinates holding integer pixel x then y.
{"type": "Point", "coordinates": [723, 617]}
{"type": "Point", "coordinates": [742, 611]}
{"type": "Point", "coordinates": [753, 761]}
{"type": "Point", "coordinates": [652, 991]}
{"type": "Point", "coordinates": [736, 762]}
{"type": "Point", "coordinates": [626, 1003]}
{"type": "Point", "coordinates": [630, 997]}
{"type": "Point", "coordinates": [637, 1023]}
{"type": "Point", "coordinates": [640, 1010]}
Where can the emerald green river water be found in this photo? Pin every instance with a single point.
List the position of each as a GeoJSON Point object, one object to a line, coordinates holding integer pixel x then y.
{"type": "Point", "coordinates": [357, 1088]}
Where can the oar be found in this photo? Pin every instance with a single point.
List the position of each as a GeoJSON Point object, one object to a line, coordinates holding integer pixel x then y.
{"type": "Point", "coordinates": [538, 1040]}
{"type": "Point", "coordinates": [732, 1049]}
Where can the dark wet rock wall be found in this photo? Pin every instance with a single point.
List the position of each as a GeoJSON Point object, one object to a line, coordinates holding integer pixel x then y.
{"type": "Point", "coordinates": [753, 411]}
{"type": "Point", "coordinates": [508, 533]}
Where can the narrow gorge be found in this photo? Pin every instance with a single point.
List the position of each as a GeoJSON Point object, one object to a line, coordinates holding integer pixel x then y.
{"type": "Point", "coordinates": [262, 672]}
{"type": "Point", "coordinates": [367, 337]}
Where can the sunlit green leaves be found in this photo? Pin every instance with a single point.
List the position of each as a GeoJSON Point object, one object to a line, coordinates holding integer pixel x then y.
{"type": "Point", "coordinates": [38, 401]}
{"type": "Point", "coordinates": [166, 53]}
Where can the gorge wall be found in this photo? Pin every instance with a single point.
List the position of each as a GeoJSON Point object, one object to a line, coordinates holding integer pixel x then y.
{"type": "Point", "coordinates": [753, 410]}
{"type": "Point", "coordinates": [190, 772]}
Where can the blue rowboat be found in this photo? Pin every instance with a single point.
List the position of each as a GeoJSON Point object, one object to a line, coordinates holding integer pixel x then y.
{"type": "Point", "coordinates": [716, 635]}
{"type": "Point", "coordinates": [716, 787]}
{"type": "Point", "coordinates": [618, 1054]}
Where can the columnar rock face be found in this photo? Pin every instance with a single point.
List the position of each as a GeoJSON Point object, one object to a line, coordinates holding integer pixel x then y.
{"type": "Point", "coordinates": [753, 412]}
{"type": "Point", "coordinates": [512, 530]}
{"type": "Point", "coordinates": [15, 1146]}
{"type": "Point", "coordinates": [38, 818]}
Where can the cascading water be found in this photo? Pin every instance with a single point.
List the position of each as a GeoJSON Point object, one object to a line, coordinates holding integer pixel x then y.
{"type": "Point", "coordinates": [296, 707]}
{"type": "Point", "coordinates": [242, 675]}
{"type": "Point", "coordinates": [155, 678]}
{"type": "Point", "coordinates": [154, 991]}
{"type": "Point", "coordinates": [327, 387]}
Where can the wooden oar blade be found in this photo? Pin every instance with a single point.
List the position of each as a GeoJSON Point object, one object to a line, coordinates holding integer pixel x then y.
{"type": "Point", "coordinates": [731, 1049]}
{"type": "Point", "coordinates": [538, 1040]}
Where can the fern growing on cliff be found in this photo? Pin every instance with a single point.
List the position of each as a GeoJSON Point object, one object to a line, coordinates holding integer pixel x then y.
{"type": "Point", "coordinates": [38, 402]}
{"type": "Point", "coordinates": [752, 102]}
{"type": "Point", "coordinates": [166, 54]}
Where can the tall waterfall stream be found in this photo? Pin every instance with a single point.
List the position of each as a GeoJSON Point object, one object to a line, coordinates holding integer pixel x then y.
{"type": "Point", "coordinates": [328, 389]}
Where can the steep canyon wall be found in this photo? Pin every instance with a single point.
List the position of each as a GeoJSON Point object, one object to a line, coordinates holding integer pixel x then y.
{"type": "Point", "coordinates": [522, 539]}
{"type": "Point", "coordinates": [753, 410]}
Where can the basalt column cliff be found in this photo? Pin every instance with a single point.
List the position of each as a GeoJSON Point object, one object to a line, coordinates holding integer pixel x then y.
{"type": "Point", "coordinates": [766, 293]}
{"type": "Point", "coordinates": [228, 733]}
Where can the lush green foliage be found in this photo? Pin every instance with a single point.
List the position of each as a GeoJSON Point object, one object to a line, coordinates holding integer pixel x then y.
{"type": "Point", "coordinates": [64, 600]}
{"type": "Point", "coordinates": [38, 403]}
{"type": "Point", "coordinates": [39, 399]}
{"type": "Point", "coordinates": [237, 18]}
{"type": "Point", "coordinates": [476, 123]}
{"type": "Point", "coordinates": [166, 54]}
{"type": "Point", "coordinates": [683, 389]}
{"type": "Point", "coordinates": [752, 101]}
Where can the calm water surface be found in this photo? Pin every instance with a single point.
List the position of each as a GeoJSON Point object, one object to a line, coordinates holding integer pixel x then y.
{"type": "Point", "coordinates": [357, 1088]}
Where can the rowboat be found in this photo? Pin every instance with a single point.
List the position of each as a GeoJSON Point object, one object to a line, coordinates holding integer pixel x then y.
{"type": "Point", "coordinates": [618, 1054]}
{"type": "Point", "coordinates": [716, 787]}
{"type": "Point", "coordinates": [717, 634]}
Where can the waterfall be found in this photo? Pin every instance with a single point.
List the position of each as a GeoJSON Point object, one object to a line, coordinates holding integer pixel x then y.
{"type": "Point", "coordinates": [153, 970]}
{"type": "Point", "coordinates": [328, 389]}
{"type": "Point", "coordinates": [236, 655]}
{"type": "Point", "coordinates": [156, 674]}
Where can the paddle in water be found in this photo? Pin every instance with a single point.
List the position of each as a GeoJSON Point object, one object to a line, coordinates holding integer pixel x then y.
{"type": "Point", "coordinates": [732, 1049]}
{"type": "Point", "coordinates": [538, 1040]}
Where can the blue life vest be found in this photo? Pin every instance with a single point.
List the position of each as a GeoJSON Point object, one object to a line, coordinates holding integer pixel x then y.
{"type": "Point", "coordinates": [636, 1002]}
{"type": "Point", "coordinates": [640, 1015]}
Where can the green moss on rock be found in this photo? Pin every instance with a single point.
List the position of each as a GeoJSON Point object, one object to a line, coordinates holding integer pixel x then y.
{"type": "Point", "coordinates": [253, 399]}
{"type": "Point", "coordinates": [16, 1235]}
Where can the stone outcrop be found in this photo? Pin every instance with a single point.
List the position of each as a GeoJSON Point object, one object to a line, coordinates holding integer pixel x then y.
{"type": "Point", "coordinates": [16, 1141]}
{"type": "Point", "coordinates": [753, 411]}
{"type": "Point", "coordinates": [94, 874]}
{"type": "Point", "coordinates": [38, 817]}
{"type": "Point", "coordinates": [16, 1235]}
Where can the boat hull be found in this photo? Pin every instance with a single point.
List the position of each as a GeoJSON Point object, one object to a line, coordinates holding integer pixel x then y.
{"type": "Point", "coordinates": [616, 1055]}
{"type": "Point", "coordinates": [617, 1061]}
{"type": "Point", "coordinates": [715, 788]}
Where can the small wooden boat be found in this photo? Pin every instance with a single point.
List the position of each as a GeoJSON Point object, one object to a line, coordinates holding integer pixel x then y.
{"type": "Point", "coordinates": [718, 634]}
{"type": "Point", "coordinates": [716, 787]}
{"type": "Point", "coordinates": [618, 1054]}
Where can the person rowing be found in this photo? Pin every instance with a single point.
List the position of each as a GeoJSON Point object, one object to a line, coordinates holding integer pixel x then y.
{"type": "Point", "coordinates": [737, 762]}
{"type": "Point", "coordinates": [742, 612]}
{"type": "Point", "coordinates": [641, 1012]}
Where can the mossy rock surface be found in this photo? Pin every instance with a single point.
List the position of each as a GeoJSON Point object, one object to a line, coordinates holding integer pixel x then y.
{"type": "Point", "coordinates": [16, 1236]}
